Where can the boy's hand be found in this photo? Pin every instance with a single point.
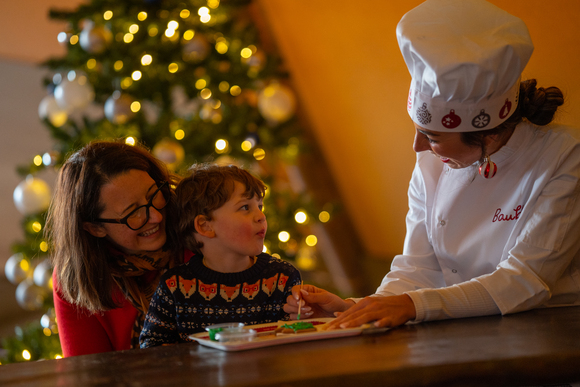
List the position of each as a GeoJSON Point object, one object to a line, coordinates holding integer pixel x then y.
{"type": "Point", "coordinates": [316, 303]}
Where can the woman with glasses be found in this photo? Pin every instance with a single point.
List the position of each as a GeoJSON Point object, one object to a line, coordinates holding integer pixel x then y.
{"type": "Point", "coordinates": [108, 230]}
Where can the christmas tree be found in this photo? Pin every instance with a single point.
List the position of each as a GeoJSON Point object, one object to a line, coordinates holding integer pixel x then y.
{"type": "Point", "coordinates": [193, 81]}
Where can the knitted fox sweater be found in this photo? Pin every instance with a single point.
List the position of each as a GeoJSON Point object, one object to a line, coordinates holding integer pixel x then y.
{"type": "Point", "coordinates": [191, 296]}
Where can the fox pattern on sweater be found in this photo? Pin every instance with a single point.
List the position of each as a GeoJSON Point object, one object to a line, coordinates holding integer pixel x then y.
{"type": "Point", "coordinates": [191, 296]}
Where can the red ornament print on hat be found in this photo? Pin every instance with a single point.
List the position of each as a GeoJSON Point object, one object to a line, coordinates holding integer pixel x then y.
{"type": "Point", "coordinates": [451, 120]}
{"type": "Point", "coordinates": [505, 110]}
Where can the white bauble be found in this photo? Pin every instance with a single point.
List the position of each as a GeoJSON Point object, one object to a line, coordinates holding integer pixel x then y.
{"type": "Point", "coordinates": [42, 275]}
{"type": "Point", "coordinates": [15, 269]}
{"type": "Point", "coordinates": [118, 108]}
{"type": "Point", "coordinates": [170, 152]}
{"type": "Point", "coordinates": [32, 196]}
{"type": "Point", "coordinates": [30, 296]}
{"type": "Point", "coordinates": [94, 39]}
{"type": "Point", "coordinates": [276, 102]}
{"type": "Point", "coordinates": [49, 109]}
{"type": "Point", "coordinates": [75, 94]}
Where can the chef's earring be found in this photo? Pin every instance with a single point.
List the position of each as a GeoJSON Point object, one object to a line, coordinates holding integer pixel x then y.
{"type": "Point", "coordinates": [487, 169]}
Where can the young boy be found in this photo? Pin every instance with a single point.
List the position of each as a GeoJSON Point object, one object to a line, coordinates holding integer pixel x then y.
{"type": "Point", "coordinates": [228, 278]}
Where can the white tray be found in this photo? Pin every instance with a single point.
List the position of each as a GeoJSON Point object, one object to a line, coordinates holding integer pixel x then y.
{"type": "Point", "coordinates": [266, 336]}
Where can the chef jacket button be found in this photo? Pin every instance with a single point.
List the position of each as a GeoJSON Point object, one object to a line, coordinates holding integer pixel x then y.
{"type": "Point", "coordinates": [454, 270]}
{"type": "Point", "coordinates": [442, 223]}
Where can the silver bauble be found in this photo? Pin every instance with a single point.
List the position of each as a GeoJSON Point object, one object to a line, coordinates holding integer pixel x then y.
{"type": "Point", "coordinates": [118, 108]}
{"type": "Point", "coordinates": [15, 269]}
{"type": "Point", "coordinates": [32, 196]}
{"type": "Point", "coordinates": [75, 94]}
{"type": "Point", "coordinates": [94, 39]}
{"type": "Point", "coordinates": [42, 274]}
{"type": "Point", "coordinates": [49, 109]}
{"type": "Point", "coordinates": [30, 296]}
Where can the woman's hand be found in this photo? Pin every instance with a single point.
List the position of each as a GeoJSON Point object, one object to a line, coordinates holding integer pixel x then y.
{"type": "Point", "coordinates": [389, 311]}
{"type": "Point", "coordinates": [316, 303]}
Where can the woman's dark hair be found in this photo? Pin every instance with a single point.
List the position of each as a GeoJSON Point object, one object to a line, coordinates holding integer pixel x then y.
{"type": "Point", "coordinates": [536, 105]}
{"type": "Point", "coordinates": [81, 260]}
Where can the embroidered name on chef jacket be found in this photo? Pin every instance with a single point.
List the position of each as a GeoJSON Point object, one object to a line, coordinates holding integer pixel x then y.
{"type": "Point", "coordinates": [499, 217]}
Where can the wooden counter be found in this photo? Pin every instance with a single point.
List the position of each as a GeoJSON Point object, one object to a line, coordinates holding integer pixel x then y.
{"type": "Point", "coordinates": [530, 348]}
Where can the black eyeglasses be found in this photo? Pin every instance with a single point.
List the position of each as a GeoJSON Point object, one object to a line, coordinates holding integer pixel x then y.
{"type": "Point", "coordinates": [140, 215]}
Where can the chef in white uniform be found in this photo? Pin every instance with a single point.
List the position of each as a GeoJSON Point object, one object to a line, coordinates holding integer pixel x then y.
{"type": "Point", "coordinates": [494, 208]}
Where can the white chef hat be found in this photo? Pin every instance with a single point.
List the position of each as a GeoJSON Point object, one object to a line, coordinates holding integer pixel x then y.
{"type": "Point", "coordinates": [466, 58]}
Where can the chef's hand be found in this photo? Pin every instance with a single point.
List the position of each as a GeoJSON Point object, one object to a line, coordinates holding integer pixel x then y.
{"type": "Point", "coordinates": [316, 303]}
{"type": "Point", "coordinates": [389, 311]}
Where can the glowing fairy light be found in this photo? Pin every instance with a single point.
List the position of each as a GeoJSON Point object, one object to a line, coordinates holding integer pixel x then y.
{"type": "Point", "coordinates": [43, 246]}
{"type": "Point", "coordinates": [136, 75]}
{"type": "Point", "coordinates": [130, 141]}
{"type": "Point", "coordinates": [91, 63]}
{"type": "Point", "coordinates": [311, 240]}
{"type": "Point", "coordinates": [235, 90]}
{"type": "Point", "coordinates": [203, 11]}
{"type": "Point", "coordinates": [108, 15]}
{"type": "Point", "coordinates": [283, 236]}
{"type": "Point", "coordinates": [172, 68]}
{"type": "Point", "coordinates": [62, 37]}
{"type": "Point", "coordinates": [74, 39]}
{"type": "Point", "coordinates": [134, 28]}
{"type": "Point", "coordinates": [300, 217]}
{"type": "Point", "coordinates": [36, 226]}
{"type": "Point", "coordinates": [224, 86]}
{"type": "Point", "coordinates": [179, 134]}
{"type": "Point", "coordinates": [118, 65]}
{"type": "Point", "coordinates": [37, 160]}
{"type": "Point", "coordinates": [142, 16]}
{"type": "Point", "coordinates": [221, 45]}
{"type": "Point", "coordinates": [126, 82]}
{"type": "Point", "coordinates": [184, 14]}
{"type": "Point", "coordinates": [26, 355]}
{"type": "Point", "coordinates": [146, 60]}
{"type": "Point", "coordinates": [205, 93]}
{"type": "Point", "coordinates": [221, 145]}
{"type": "Point", "coordinates": [169, 33]}
{"type": "Point", "coordinates": [47, 159]}
{"type": "Point", "coordinates": [324, 216]}
{"type": "Point", "coordinates": [259, 154]}
{"type": "Point", "coordinates": [200, 84]}
{"type": "Point", "coordinates": [188, 35]}
{"type": "Point", "coordinates": [172, 25]}
{"type": "Point", "coordinates": [246, 53]}
{"type": "Point", "coordinates": [247, 146]}
{"type": "Point", "coordinates": [128, 37]}
{"type": "Point", "coordinates": [135, 106]}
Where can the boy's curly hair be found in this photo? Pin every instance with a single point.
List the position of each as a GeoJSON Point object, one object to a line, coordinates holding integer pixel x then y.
{"type": "Point", "coordinates": [206, 188]}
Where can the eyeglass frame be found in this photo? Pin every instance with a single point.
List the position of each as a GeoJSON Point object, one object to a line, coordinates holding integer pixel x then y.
{"type": "Point", "coordinates": [124, 220]}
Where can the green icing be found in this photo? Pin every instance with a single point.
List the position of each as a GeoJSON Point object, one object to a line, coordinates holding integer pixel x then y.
{"type": "Point", "coordinates": [298, 326]}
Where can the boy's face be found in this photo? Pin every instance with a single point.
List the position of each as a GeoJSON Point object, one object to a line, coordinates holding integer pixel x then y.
{"type": "Point", "coordinates": [240, 225]}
